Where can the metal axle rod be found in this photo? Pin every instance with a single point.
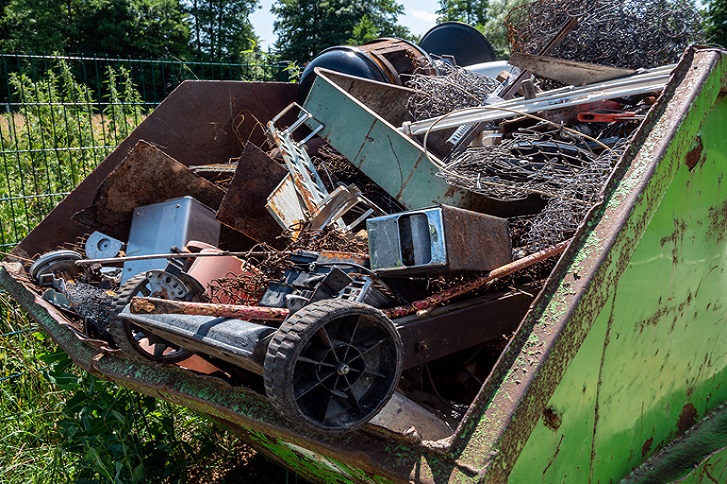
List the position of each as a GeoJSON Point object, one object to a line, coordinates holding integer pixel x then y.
{"type": "Point", "coordinates": [153, 305]}
{"type": "Point", "coordinates": [178, 255]}
{"type": "Point", "coordinates": [500, 272]}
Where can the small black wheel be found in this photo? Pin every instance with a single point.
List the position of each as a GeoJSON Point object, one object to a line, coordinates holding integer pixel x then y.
{"type": "Point", "coordinates": [333, 364]}
{"type": "Point", "coordinates": [130, 338]}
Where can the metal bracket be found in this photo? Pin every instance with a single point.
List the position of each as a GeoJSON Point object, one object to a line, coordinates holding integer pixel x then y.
{"type": "Point", "coordinates": [301, 201]}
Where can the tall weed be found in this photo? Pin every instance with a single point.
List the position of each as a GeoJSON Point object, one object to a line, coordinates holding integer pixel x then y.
{"type": "Point", "coordinates": [54, 136]}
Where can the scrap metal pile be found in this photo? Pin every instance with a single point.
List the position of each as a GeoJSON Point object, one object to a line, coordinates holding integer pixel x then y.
{"type": "Point", "coordinates": [374, 251]}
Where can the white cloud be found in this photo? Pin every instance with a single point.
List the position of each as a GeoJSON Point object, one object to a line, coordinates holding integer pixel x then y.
{"type": "Point", "coordinates": [424, 16]}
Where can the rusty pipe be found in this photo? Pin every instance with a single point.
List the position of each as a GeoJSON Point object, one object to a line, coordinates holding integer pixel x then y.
{"type": "Point", "coordinates": [152, 305]}
{"type": "Point", "coordinates": [500, 272]}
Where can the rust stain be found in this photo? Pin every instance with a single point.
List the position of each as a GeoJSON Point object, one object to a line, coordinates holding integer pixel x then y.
{"type": "Point", "coordinates": [653, 320]}
{"type": "Point", "coordinates": [646, 447]}
{"type": "Point", "coordinates": [676, 238]}
{"type": "Point", "coordinates": [695, 154]}
{"type": "Point", "coordinates": [717, 222]}
{"type": "Point", "coordinates": [551, 419]}
{"type": "Point", "coordinates": [687, 418]}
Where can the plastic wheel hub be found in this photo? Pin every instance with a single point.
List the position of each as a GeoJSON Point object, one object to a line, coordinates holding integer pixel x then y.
{"type": "Point", "coordinates": [333, 365]}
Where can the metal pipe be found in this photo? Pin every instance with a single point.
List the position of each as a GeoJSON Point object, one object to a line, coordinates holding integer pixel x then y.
{"type": "Point", "coordinates": [500, 272]}
{"type": "Point", "coordinates": [152, 305]}
{"type": "Point", "coordinates": [180, 255]}
{"type": "Point", "coordinates": [149, 305]}
{"type": "Point", "coordinates": [651, 81]}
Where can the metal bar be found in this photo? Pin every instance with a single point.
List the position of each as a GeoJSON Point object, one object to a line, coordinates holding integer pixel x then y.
{"type": "Point", "coordinates": [151, 305]}
{"type": "Point", "coordinates": [177, 255]}
{"type": "Point", "coordinates": [144, 305]}
{"type": "Point", "coordinates": [575, 97]}
{"type": "Point", "coordinates": [506, 270]}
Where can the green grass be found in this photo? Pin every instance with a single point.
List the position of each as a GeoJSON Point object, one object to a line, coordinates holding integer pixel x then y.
{"type": "Point", "coordinates": [61, 424]}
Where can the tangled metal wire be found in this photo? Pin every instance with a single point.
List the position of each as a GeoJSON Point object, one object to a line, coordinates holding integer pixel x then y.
{"type": "Point", "coordinates": [621, 33]}
{"type": "Point", "coordinates": [568, 173]}
{"type": "Point", "coordinates": [531, 162]}
{"type": "Point", "coordinates": [454, 88]}
{"type": "Point", "coordinates": [563, 214]}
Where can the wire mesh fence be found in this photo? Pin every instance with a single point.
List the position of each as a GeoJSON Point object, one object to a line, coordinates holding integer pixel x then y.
{"type": "Point", "coordinates": [62, 115]}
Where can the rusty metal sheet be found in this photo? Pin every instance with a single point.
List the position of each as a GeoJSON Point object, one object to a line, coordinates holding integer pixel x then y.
{"type": "Point", "coordinates": [478, 320]}
{"type": "Point", "coordinates": [147, 175]}
{"type": "Point", "coordinates": [243, 207]}
{"type": "Point", "coordinates": [567, 71]}
{"type": "Point", "coordinates": [200, 122]}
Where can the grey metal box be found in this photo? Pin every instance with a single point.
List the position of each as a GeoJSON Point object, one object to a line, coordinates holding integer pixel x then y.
{"type": "Point", "coordinates": [438, 239]}
{"type": "Point", "coordinates": [156, 228]}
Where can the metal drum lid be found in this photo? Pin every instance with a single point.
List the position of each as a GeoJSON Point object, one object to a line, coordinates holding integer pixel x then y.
{"type": "Point", "coordinates": [463, 42]}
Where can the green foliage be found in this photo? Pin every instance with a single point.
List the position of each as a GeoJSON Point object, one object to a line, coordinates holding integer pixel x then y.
{"type": "Point", "coordinates": [306, 27]}
{"type": "Point", "coordinates": [221, 31]}
{"type": "Point", "coordinates": [29, 404]}
{"type": "Point", "coordinates": [495, 28]}
{"type": "Point", "coordinates": [471, 12]}
{"type": "Point", "coordinates": [124, 110]}
{"type": "Point", "coordinates": [55, 139]}
{"type": "Point", "coordinates": [716, 22]}
{"type": "Point", "coordinates": [115, 435]}
{"type": "Point", "coordinates": [364, 31]}
{"type": "Point", "coordinates": [136, 28]}
{"type": "Point", "coordinates": [487, 16]}
{"type": "Point", "coordinates": [60, 424]}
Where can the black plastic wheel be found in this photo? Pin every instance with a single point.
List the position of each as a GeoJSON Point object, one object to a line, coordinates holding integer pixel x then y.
{"type": "Point", "coordinates": [333, 364]}
{"type": "Point", "coordinates": [130, 338]}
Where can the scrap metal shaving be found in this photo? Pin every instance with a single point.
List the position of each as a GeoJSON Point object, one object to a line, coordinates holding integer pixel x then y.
{"type": "Point", "coordinates": [629, 34]}
{"type": "Point", "coordinates": [454, 88]}
{"type": "Point", "coordinates": [567, 173]}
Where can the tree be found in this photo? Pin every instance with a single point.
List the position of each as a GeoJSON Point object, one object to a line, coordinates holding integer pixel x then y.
{"type": "Point", "coordinates": [136, 28]}
{"type": "Point", "coordinates": [305, 27]}
{"type": "Point", "coordinates": [486, 16]}
{"type": "Point", "coordinates": [221, 30]}
{"type": "Point", "coordinates": [35, 25]}
{"type": "Point", "coordinates": [495, 28]}
{"type": "Point", "coordinates": [716, 22]}
{"type": "Point", "coordinates": [472, 12]}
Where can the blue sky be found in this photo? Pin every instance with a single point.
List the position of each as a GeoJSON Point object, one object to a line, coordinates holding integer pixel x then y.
{"type": "Point", "coordinates": [418, 15]}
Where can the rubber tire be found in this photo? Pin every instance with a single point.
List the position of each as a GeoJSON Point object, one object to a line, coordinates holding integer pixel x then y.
{"type": "Point", "coordinates": [121, 330]}
{"type": "Point", "coordinates": [291, 339]}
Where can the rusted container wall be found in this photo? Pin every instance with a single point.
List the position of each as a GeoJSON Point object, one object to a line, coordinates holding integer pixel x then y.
{"type": "Point", "coordinates": [621, 352]}
{"type": "Point", "coordinates": [200, 122]}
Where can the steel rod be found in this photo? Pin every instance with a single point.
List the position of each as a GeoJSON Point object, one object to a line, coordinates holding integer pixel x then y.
{"type": "Point", "coordinates": [149, 305]}
{"type": "Point", "coordinates": [178, 255]}
{"type": "Point", "coordinates": [152, 305]}
{"type": "Point", "coordinates": [500, 272]}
